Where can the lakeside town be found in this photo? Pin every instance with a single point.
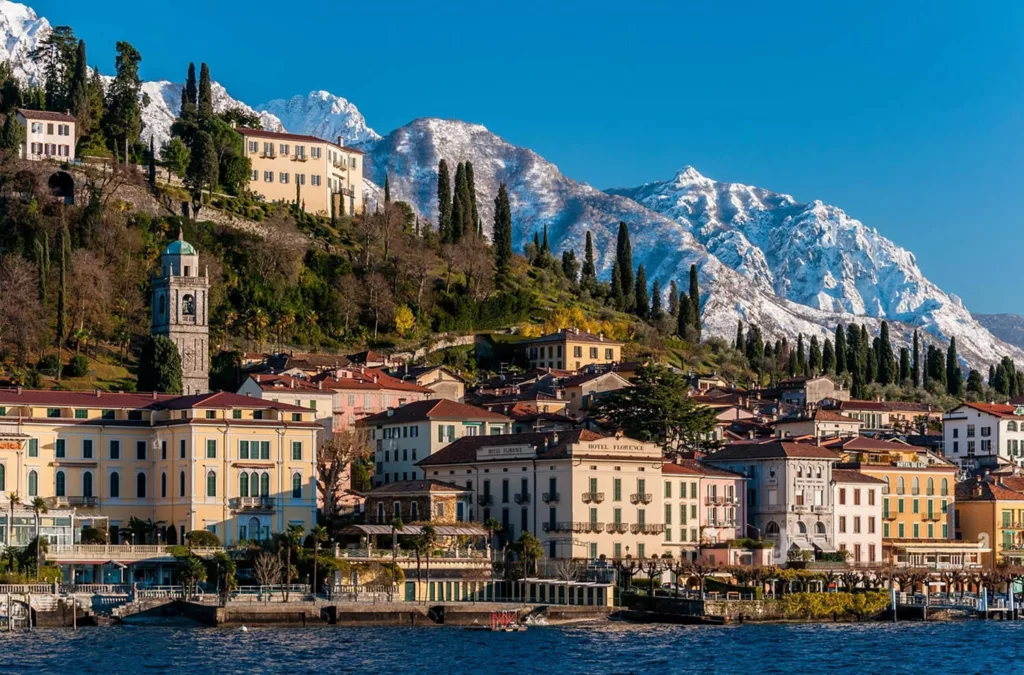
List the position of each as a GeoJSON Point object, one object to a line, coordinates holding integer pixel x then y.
{"type": "Point", "coordinates": [240, 388]}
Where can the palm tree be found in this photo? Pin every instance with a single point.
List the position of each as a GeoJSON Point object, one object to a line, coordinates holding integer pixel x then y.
{"type": "Point", "coordinates": [38, 506]}
{"type": "Point", "coordinates": [291, 539]}
{"type": "Point", "coordinates": [530, 550]}
{"type": "Point", "coordinates": [428, 536]}
{"type": "Point", "coordinates": [396, 526]}
{"type": "Point", "coordinates": [319, 534]}
{"type": "Point", "coordinates": [491, 525]}
{"type": "Point", "coordinates": [13, 498]}
{"type": "Point", "coordinates": [191, 571]}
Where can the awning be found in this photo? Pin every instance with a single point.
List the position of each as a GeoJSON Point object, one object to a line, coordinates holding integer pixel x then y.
{"type": "Point", "coordinates": [825, 547]}
{"type": "Point", "coordinates": [802, 545]}
{"type": "Point", "coordinates": [466, 530]}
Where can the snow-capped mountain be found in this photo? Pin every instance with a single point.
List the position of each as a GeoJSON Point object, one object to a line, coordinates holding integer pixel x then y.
{"type": "Point", "coordinates": [324, 115]}
{"type": "Point", "coordinates": [21, 29]}
{"type": "Point", "coordinates": [1007, 327]}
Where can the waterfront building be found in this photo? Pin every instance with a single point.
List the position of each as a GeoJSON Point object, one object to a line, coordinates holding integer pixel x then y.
{"type": "Point", "coordinates": [403, 436]}
{"type": "Point", "coordinates": [419, 501]}
{"type": "Point", "coordinates": [857, 519]}
{"type": "Point", "coordinates": [239, 467]}
{"type": "Point", "coordinates": [789, 493]}
{"type": "Point", "coordinates": [991, 510]}
{"type": "Point", "coordinates": [570, 349]}
{"type": "Point", "coordinates": [47, 135]}
{"type": "Point", "coordinates": [984, 435]}
{"type": "Point", "coordinates": [581, 494]}
{"type": "Point", "coordinates": [322, 176]}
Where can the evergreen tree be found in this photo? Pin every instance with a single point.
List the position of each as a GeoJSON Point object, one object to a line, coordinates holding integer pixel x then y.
{"type": "Point", "coordinates": [618, 296]}
{"type": "Point", "coordinates": [673, 298]}
{"type": "Point", "coordinates": [545, 248]}
{"type": "Point", "coordinates": [974, 384]}
{"type": "Point", "coordinates": [887, 369]}
{"type": "Point", "coordinates": [78, 100]}
{"type": "Point", "coordinates": [841, 363]}
{"type": "Point", "coordinates": [123, 116]}
{"type": "Point", "coordinates": [202, 167]}
{"type": "Point", "coordinates": [97, 106]}
{"type": "Point", "coordinates": [793, 366]}
{"type": "Point", "coordinates": [11, 134]}
{"type": "Point", "coordinates": [444, 203]}
{"type": "Point", "coordinates": [387, 189]}
{"type": "Point", "coordinates": [801, 356]}
{"type": "Point", "coordinates": [152, 163]}
{"type": "Point", "coordinates": [640, 293]}
{"type": "Point", "coordinates": [857, 384]}
{"type": "Point", "coordinates": [570, 267]}
{"type": "Point", "coordinates": [588, 275]}
{"type": "Point", "coordinates": [176, 157]}
{"type": "Point", "coordinates": [205, 99]}
{"type": "Point", "coordinates": [904, 366]}
{"type": "Point", "coordinates": [740, 341]}
{"type": "Point", "coordinates": [695, 299]}
{"type": "Point", "coordinates": [503, 235]}
{"type": "Point", "coordinates": [854, 363]}
{"type": "Point", "coordinates": [459, 205]}
{"type": "Point", "coordinates": [56, 53]}
{"type": "Point", "coordinates": [189, 96]}
{"type": "Point", "coordinates": [656, 311]}
{"type": "Point", "coordinates": [991, 375]}
{"type": "Point", "coordinates": [814, 356]}
{"type": "Point", "coordinates": [924, 371]}
{"type": "Point", "coordinates": [915, 368]}
{"type": "Point", "coordinates": [474, 213]}
{"type": "Point", "coordinates": [828, 357]}
{"type": "Point", "coordinates": [954, 377]}
{"type": "Point", "coordinates": [684, 320]}
{"type": "Point", "coordinates": [624, 255]}
{"type": "Point", "coordinates": [871, 372]}
{"type": "Point", "coordinates": [64, 252]}
{"type": "Point", "coordinates": [160, 366]}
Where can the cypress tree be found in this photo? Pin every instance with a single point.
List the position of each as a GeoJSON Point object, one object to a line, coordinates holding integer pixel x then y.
{"type": "Point", "coordinates": [887, 371]}
{"type": "Point", "coordinates": [444, 203]}
{"type": "Point", "coordinates": [673, 298]}
{"type": "Point", "coordinates": [904, 366]}
{"type": "Point", "coordinates": [189, 95]}
{"type": "Point", "coordinates": [871, 372]}
{"type": "Point", "coordinates": [205, 99]}
{"type": "Point", "coordinates": [544, 246]}
{"type": "Point", "coordinates": [841, 364]}
{"type": "Point", "coordinates": [152, 162]}
{"type": "Point", "coordinates": [974, 384]}
{"type": "Point", "coordinates": [387, 189]}
{"type": "Point", "coordinates": [801, 357]}
{"type": "Point", "coordinates": [684, 320]}
{"type": "Point", "coordinates": [828, 357]}
{"type": "Point", "coordinates": [79, 92]}
{"type": "Point", "coordinates": [924, 369]}
{"type": "Point", "coordinates": [814, 356]}
{"type": "Point", "coordinates": [588, 275]}
{"type": "Point", "coordinates": [793, 367]}
{"type": "Point", "coordinates": [474, 213]}
{"type": "Point", "coordinates": [991, 375]}
{"type": "Point", "coordinates": [915, 369]}
{"type": "Point", "coordinates": [12, 134]}
{"type": "Point", "coordinates": [502, 234]}
{"type": "Point", "coordinates": [64, 244]}
{"type": "Point", "coordinates": [458, 203]}
{"type": "Point", "coordinates": [624, 254]}
{"type": "Point", "coordinates": [854, 362]}
{"type": "Point", "coordinates": [618, 297]}
{"type": "Point", "coordinates": [740, 342]}
{"type": "Point", "coordinates": [640, 294]}
{"type": "Point", "coordinates": [695, 299]}
{"type": "Point", "coordinates": [656, 311]}
{"type": "Point", "coordinates": [954, 377]}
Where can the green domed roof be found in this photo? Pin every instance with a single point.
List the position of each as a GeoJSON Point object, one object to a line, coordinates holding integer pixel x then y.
{"type": "Point", "coordinates": [179, 247]}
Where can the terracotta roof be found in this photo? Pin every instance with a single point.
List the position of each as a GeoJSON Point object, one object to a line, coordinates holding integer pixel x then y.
{"type": "Point", "coordinates": [263, 133]}
{"type": "Point", "coordinates": [886, 406]}
{"type": "Point", "coordinates": [869, 443]}
{"type": "Point", "coordinates": [415, 487]}
{"type": "Point", "coordinates": [853, 476]}
{"type": "Point", "coordinates": [151, 401]}
{"type": "Point", "coordinates": [368, 379]}
{"type": "Point", "coordinates": [286, 383]}
{"type": "Point", "coordinates": [691, 467]}
{"type": "Point", "coordinates": [1005, 488]}
{"type": "Point", "coordinates": [997, 409]}
{"type": "Point", "coordinates": [463, 450]}
{"type": "Point", "coordinates": [570, 334]}
{"type": "Point", "coordinates": [46, 115]}
{"type": "Point", "coordinates": [772, 449]}
{"type": "Point", "coordinates": [223, 399]}
{"type": "Point", "coordinates": [577, 380]}
{"type": "Point", "coordinates": [440, 408]}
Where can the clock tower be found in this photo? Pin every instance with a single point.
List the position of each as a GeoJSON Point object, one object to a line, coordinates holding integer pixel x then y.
{"type": "Point", "coordinates": [181, 312]}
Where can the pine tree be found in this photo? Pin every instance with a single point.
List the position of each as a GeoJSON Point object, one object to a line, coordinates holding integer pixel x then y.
{"type": "Point", "coordinates": [915, 369]}
{"type": "Point", "coordinates": [656, 311]}
{"type": "Point", "coordinates": [814, 356]}
{"type": "Point", "coordinates": [904, 366]}
{"type": "Point", "coordinates": [740, 341]}
{"type": "Point", "coordinates": [640, 293]}
{"type": "Point", "coordinates": [444, 203]}
{"type": "Point", "coordinates": [79, 93]}
{"type": "Point", "coordinates": [954, 377]}
{"type": "Point", "coordinates": [502, 235]}
{"type": "Point", "coordinates": [841, 364]}
{"type": "Point", "coordinates": [695, 299]}
{"type": "Point", "coordinates": [673, 299]}
{"type": "Point", "coordinates": [624, 255]}
{"type": "Point", "coordinates": [588, 275]}
{"type": "Point", "coordinates": [684, 320]}
{"type": "Point", "coordinates": [828, 357]}
{"type": "Point", "coordinates": [123, 115]}
{"type": "Point", "coordinates": [205, 99]}
{"type": "Point", "coordinates": [387, 189]}
{"type": "Point", "coordinates": [474, 213]}
{"type": "Point", "coordinates": [617, 295]}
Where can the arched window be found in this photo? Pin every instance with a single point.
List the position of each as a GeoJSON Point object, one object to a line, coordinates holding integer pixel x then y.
{"type": "Point", "coordinates": [243, 484]}
{"type": "Point", "coordinates": [140, 485]}
{"type": "Point", "coordinates": [945, 487]}
{"type": "Point", "coordinates": [296, 486]}
{"type": "Point", "coordinates": [254, 529]}
{"type": "Point", "coordinates": [900, 486]}
{"type": "Point", "coordinates": [3, 478]}
{"type": "Point", "coordinates": [181, 484]}
{"type": "Point", "coordinates": [59, 485]}
{"type": "Point", "coordinates": [772, 528]}
{"type": "Point", "coordinates": [886, 489]}
{"type": "Point", "coordinates": [801, 527]}
{"type": "Point", "coordinates": [188, 305]}
{"type": "Point", "coordinates": [819, 472]}
{"type": "Point", "coordinates": [916, 486]}
{"type": "Point", "coordinates": [211, 484]}
{"type": "Point", "coordinates": [163, 484]}
{"type": "Point", "coordinates": [799, 472]}
{"type": "Point", "coordinates": [87, 484]}
{"type": "Point", "coordinates": [819, 528]}
{"type": "Point", "coordinates": [265, 484]}
{"type": "Point", "coordinates": [931, 486]}
{"type": "Point", "coordinates": [115, 485]}
{"type": "Point", "coordinates": [254, 484]}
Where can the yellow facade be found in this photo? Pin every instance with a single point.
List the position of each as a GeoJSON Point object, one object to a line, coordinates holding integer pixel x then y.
{"type": "Point", "coordinates": [178, 461]}
{"type": "Point", "coordinates": [286, 167]}
{"type": "Point", "coordinates": [993, 514]}
{"type": "Point", "coordinates": [572, 349]}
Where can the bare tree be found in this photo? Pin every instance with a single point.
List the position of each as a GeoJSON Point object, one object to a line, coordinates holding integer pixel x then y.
{"type": "Point", "coordinates": [475, 261]}
{"type": "Point", "coordinates": [333, 458]}
{"type": "Point", "coordinates": [267, 568]}
{"type": "Point", "coordinates": [419, 263]}
{"type": "Point", "coordinates": [22, 322]}
{"type": "Point", "coordinates": [380, 303]}
{"type": "Point", "coordinates": [348, 290]}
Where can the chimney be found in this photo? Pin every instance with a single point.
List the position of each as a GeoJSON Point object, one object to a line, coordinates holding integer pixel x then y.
{"type": "Point", "coordinates": [98, 393]}
{"type": "Point", "coordinates": [154, 395]}
{"type": "Point", "coordinates": [320, 384]}
{"type": "Point", "coordinates": [391, 412]}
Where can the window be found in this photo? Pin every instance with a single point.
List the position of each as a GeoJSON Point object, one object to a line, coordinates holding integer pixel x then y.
{"type": "Point", "coordinates": [254, 146]}
{"type": "Point", "coordinates": [314, 179]}
{"type": "Point", "coordinates": [268, 176]}
{"type": "Point", "coordinates": [900, 486]}
{"type": "Point", "coordinates": [140, 449]}
{"type": "Point", "coordinates": [842, 524]}
{"type": "Point", "coordinates": [970, 430]}
{"type": "Point", "coordinates": [163, 449]}
{"type": "Point", "coordinates": [254, 175]}
{"type": "Point", "coordinates": [300, 179]}
{"type": "Point", "coordinates": [668, 490]}
{"type": "Point", "coordinates": [33, 484]}
{"type": "Point", "coordinates": [87, 484]}
{"type": "Point", "coordinates": [115, 485]}
{"type": "Point", "coordinates": [945, 487]}
{"type": "Point", "coordinates": [819, 527]}
{"type": "Point", "coordinates": [140, 485]}
{"type": "Point", "coordinates": [84, 414]}
{"type": "Point", "coordinates": [296, 486]}
{"type": "Point", "coordinates": [284, 149]}
{"type": "Point", "coordinates": [33, 447]}
{"type": "Point", "coordinates": [617, 490]}
{"type": "Point", "coordinates": [264, 450]}
{"type": "Point", "coordinates": [243, 449]}
{"type": "Point", "coordinates": [772, 529]}
{"type": "Point", "coordinates": [243, 484]}
{"type": "Point", "coordinates": [211, 448]}
{"type": "Point", "coordinates": [282, 178]}
{"type": "Point", "coordinates": [163, 484]}
{"type": "Point", "coordinates": [801, 527]}
{"type": "Point", "coordinates": [265, 483]}
{"type": "Point", "coordinates": [842, 496]}
{"type": "Point", "coordinates": [181, 484]}
{"type": "Point", "coordinates": [59, 486]}
{"type": "Point", "coordinates": [593, 352]}
{"type": "Point", "coordinates": [211, 484]}
{"type": "Point", "coordinates": [181, 448]}
{"type": "Point", "coordinates": [296, 450]}
{"type": "Point", "coordinates": [115, 449]}
{"type": "Point", "coordinates": [59, 448]}
{"type": "Point", "coordinates": [53, 412]}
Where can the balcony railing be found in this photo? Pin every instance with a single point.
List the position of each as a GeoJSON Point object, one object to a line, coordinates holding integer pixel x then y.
{"type": "Point", "coordinates": [83, 501]}
{"type": "Point", "coordinates": [595, 527]}
{"type": "Point", "coordinates": [819, 509]}
{"type": "Point", "coordinates": [550, 497]}
{"type": "Point", "coordinates": [801, 508]}
{"type": "Point", "coordinates": [559, 527]}
{"type": "Point", "coordinates": [522, 498]}
{"type": "Point", "coordinates": [888, 516]}
{"type": "Point", "coordinates": [263, 502]}
{"type": "Point", "coordinates": [593, 497]}
{"type": "Point", "coordinates": [640, 498]}
{"type": "Point", "coordinates": [267, 155]}
{"type": "Point", "coordinates": [485, 500]}
{"type": "Point", "coordinates": [647, 528]}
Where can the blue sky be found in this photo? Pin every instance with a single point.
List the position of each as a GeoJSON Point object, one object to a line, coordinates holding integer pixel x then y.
{"type": "Point", "coordinates": [907, 115]}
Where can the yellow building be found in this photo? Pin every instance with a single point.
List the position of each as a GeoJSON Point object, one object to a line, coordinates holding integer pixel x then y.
{"type": "Point", "coordinates": [240, 467]}
{"type": "Point", "coordinates": [992, 511]}
{"type": "Point", "coordinates": [48, 135]}
{"type": "Point", "coordinates": [286, 167]}
{"type": "Point", "coordinates": [571, 349]}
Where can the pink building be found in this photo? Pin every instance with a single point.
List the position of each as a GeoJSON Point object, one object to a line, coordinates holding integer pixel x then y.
{"type": "Point", "coordinates": [705, 507]}
{"type": "Point", "coordinates": [360, 392]}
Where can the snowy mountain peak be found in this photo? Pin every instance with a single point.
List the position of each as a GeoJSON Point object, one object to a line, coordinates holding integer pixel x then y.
{"type": "Point", "coordinates": [20, 31]}
{"type": "Point", "coordinates": [324, 115]}
{"type": "Point", "coordinates": [688, 175]}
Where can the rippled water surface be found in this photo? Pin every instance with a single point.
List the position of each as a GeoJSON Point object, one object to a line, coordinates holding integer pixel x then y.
{"type": "Point", "coordinates": [966, 647]}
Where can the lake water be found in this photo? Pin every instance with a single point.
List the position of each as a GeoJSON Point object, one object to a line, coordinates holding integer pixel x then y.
{"type": "Point", "coordinates": [964, 647]}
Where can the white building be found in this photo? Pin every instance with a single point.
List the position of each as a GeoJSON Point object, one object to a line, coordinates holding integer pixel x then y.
{"type": "Point", "coordinates": [295, 391]}
{"type": "Point", "coordinates": [857, 519]}
{"type": "Point", "coordinates": [404, 436]}
{"type": "Point", "coordinates": [48, 135]}
{"type": "Point", "coordinates": [984, 434]}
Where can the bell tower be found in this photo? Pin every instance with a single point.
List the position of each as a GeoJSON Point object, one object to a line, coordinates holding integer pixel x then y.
{"type": "Point", "coordinates": [181, 312]}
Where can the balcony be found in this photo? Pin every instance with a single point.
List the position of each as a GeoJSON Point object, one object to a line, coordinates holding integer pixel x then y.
{"type": "Point", "coordinates": [936, 517]}
{"type": "Point", "coordinates": [340, 165]}
{"type": "Point", "coordinates": [647, 528]}
{"type": "Point", "coordinates": [800, 508]}
{"type": "Point", "coordinates": [550, 497]}
{"type": "Point", "coordinates": [268, 155]}
{"type": "Point", "coordinates": [593, 497]}
{"type": "Point", "coordinates": [299, 158]}
{"type": "Point", "coordinates": [485, 500]}
{"type": "Point", "coordinates": [581, 527]}
{"type": "Point", "coordinates": [888, 516]}
{"type": "Point", "coordinates": [620, 528]}
{"type": "Point", "coordinates": [595, 527]}
{"type": "Point", "coordinates": [522, 498]}
{"type": "Point", "coordinates": [264, 502]}
{"type": "Point", "coordinates": [640, 498]}
{"type": "Point", "coordinates": [819, 509]}
{"type": "Point", "coordinates": [82, 501]}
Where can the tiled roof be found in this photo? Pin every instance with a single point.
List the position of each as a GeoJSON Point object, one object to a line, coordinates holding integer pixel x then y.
{"type": "Point", "coordinates": [263, 133]}
{"type": "Point", "coordinates": [869, 443]}
{"type": "Point", "coordinates": [223, 399]}
{"type": "Point", "coordinates": [415, 487]}
{"type": "Point", "coordinates": [577, 380]}
{"type": "Point", "coordinates": [369, 379]}
{"type": "Point", "coordinates": [886, 406]}
{"type": "Point", "coordinates": [997, 409]}
{"type": "Point", "coordinates": [463, 450]}
{"type": "Point", "coordinates": [46, 115]}
{"type": "Point", "coordinates": [570, 334]}
{"type": "Point", "coordinates": [151, 401]}
{"type": "Point", "coordinates": [853, 476]}
{"type": "Point", "coordinates": [691, 467]}
{"type": "Point", "coordinates": [286, 383]}
{"type": "Point", "coordinates": [440, 408]}
{"type": "Point", "coordinates": [770, 450]}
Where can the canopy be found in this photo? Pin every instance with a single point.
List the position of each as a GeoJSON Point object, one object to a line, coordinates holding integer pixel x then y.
{"type": "Point", "coordinates": [464, 530]}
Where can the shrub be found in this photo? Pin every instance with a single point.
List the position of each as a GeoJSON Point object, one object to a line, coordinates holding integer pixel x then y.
{"type": "Point", "coordinates": [79, 367]}
{"type": "Point", "coordinates": [93, 535]}
{"type": "Point", "coordinates": [202, 539]}
{"type": "Point", "coordinates": [49, 364]}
